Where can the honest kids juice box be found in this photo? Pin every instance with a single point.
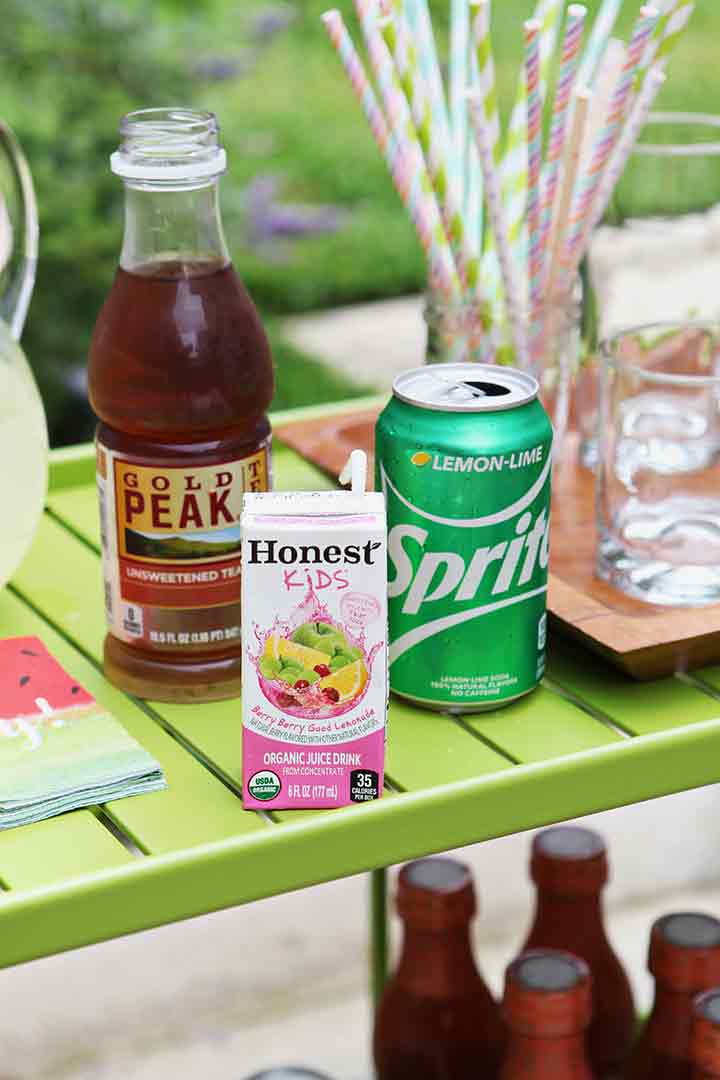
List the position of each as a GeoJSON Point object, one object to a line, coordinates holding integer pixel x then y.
{"type": "Point", "coordinates": [314, 632]}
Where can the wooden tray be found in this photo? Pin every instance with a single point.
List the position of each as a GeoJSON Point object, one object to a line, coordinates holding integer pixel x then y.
{"type": "Point", "coordinates": [641, 639]}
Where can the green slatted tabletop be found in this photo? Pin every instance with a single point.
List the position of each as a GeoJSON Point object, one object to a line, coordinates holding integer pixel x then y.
{"type": "Point", "coordinates": [588, 740]}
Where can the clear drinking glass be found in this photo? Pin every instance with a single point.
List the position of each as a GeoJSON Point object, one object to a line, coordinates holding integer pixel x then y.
{"type": "Point", "coordinates": [658, 484]}
{"type": "Point", "coordinates": [658, 256]}
{"type": "Point", "coordinates": [23, 432]}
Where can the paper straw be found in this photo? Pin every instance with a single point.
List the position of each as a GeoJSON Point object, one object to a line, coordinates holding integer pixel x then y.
{"type": "Point", "coordinates": [607, 79]}
{"type": "Point", "coordinates": [572, 160]}
{"type": "Point", "coordinates": [420, 207]}
{"type": "Point", "coordinates": [534, 209]}
{"type": "Point", "coordinates": [561, 115]}
{"type": "Point", "coordinates": [486, 83]}
{"type": "Point", "coordinates": [627, 142]}
{"type": "Point", "coordinates": [418, 17]}
{"type": "Point", "coordinates": [400, 120]}
{"type": "Point", "coordinates": [514, 167]}
{"type": "Point", "coordinates": [669, 31]}
{"type": "Point", "coordinates": [459, 81]}
{"type": "Point", "coordinates": [498, 223]}
{"type": "Point", "coordinates": [598, 40]}
{"type": "Point", "coordinates": [607, 140]}
{"type": "Point", "coordinates": [396, 35]}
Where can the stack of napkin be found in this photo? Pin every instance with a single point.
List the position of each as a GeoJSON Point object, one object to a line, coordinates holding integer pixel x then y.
{"type": "Point", "coordinates": [59, 749]}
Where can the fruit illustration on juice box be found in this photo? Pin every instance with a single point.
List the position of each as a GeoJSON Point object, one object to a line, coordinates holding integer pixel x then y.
{"type": "Point", "coordinates": [315, 667]}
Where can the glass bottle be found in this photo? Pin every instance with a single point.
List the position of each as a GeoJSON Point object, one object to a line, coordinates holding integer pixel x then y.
{"type": "Point", "coordinates": [180, 377]}
{"type": "Point", "coordinates": [570, 868]}
{"type": "Point", "coordinates": [437, 1019]}
{"type": "Point", "coordinates": [547, 1007]}
{"type": "Point", "coordinates": [705, 1036]}
{"type": "Point", "coordinates": [684, 957]}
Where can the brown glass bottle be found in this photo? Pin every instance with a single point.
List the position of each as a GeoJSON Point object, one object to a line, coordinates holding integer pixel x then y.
{"type": "Point", "coordinates": [547, 1007]}
{"type": "Point", "coordinates": [570, 868]}
{"type": "Point", "coordinates": [180, 376]}
{"type": "Point", "coordinates": [705, 1036]}
{"type": "Point", "coordinates": [684, 957]}
{"type": "Point", "coordinates": [437, 1019]}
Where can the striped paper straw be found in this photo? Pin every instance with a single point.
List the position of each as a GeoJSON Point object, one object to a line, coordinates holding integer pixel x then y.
{"type": "Point", "coordinates": [561, 115]}
{"type": "Point", "coordinates": [486, 83]}
{"type": "Point", "coordinates": [597, 42]}
{"type": "Point", "coordinates": [534, 210]}
{"type": "Point", "coordinates": [498, 223]}
{"type": "Point", "coordinates": [606, 141]}
{"type": "Point", "coordinates": [626, 144]}
{"type": "Point", "coordinates": [669, 31]}
{"type": "Point", "coordinates": [459, 81]}
{"type": "Point", "coordinates": [397, 37]}
{"type": "Point", "coordinates": [514, 167]}
{"type": "Point", "coordinates": [421, 208]}
{"type": "Point", "coordinates": [397, 111]}
{"type": "Point", "coordinates": [418, 17]}
{"type": "Point", "coordinates": [572, 160]}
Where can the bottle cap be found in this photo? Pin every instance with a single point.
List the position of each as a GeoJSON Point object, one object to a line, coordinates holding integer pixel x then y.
{"type": "Point", "coordinates": [705, 1037]}
{"type": "Point", "coordinates": [569, 861]}
{"type": "Point", "coordinates": [547, 994]}
{"type": "Point", "coordinates": [169, 144]}
{"type": "Point", "coordinates": [436, 894]}
{"type": "Point", "coordinates": [685, 951]}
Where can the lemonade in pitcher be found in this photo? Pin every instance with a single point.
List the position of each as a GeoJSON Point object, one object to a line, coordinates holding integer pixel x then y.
{"type": "Point", "coordinates": [23, 432]}
{"type": "Point", "coordinates": [24, 450]}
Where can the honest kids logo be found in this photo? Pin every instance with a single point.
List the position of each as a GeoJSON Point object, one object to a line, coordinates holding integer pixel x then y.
{"type": "Point", "coordinates": [264, 785]}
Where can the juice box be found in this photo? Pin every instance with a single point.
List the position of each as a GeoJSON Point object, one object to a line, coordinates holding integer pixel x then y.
{"type": "Point", "coordinates": [314, 634]}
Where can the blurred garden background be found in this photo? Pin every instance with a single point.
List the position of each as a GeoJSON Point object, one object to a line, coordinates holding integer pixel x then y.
{"type": "Point", "coordinates": [310, 213]}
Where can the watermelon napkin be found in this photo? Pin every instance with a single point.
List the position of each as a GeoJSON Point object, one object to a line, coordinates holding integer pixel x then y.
{"type": "Point", "coordinates": [59, 749]}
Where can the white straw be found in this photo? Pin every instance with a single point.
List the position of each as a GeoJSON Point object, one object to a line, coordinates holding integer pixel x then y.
{"type": "Point", "coordinates": [498, 222]}
{"type": "Point", "coordinates": [626, 144]}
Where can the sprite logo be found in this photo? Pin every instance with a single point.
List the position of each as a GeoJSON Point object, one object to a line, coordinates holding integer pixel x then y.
{"type": "Point", "coordinates": [474, 574]}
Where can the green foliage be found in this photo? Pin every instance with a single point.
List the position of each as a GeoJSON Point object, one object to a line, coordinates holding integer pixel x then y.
{"type": "Point", "coordinates": [69, 69]}
{"type": "Point", "coordinates": [84, 65]}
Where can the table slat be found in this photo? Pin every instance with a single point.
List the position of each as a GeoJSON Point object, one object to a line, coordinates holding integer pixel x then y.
{"type": "Point", "coordinates": [58, 849]}
{"type": "Point", "coordinates": [640, 708]}
{"type": "Point", "coordinates": [541, 726]}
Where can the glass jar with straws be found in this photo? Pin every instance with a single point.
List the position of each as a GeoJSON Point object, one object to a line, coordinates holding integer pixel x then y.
{"type": "Point", "coordinates": [504, 217]}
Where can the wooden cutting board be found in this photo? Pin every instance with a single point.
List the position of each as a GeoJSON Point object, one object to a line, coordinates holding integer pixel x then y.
{"type": "Point", "coordinates": [641, 639]}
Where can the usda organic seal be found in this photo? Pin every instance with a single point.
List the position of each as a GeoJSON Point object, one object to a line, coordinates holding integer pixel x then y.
{"type": "Point", "coordinates": [264, 785]}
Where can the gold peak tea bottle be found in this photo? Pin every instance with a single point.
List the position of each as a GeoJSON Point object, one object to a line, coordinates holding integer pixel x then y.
{"type": "Point", "coordinates": [180, 377]}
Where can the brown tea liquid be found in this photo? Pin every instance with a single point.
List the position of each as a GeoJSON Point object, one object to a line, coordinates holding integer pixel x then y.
{"type": "Point", "coordinates": [180, 377]}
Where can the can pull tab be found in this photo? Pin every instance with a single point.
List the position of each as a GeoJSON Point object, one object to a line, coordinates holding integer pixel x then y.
{"type": "Point", "coordinates": [355, 472]}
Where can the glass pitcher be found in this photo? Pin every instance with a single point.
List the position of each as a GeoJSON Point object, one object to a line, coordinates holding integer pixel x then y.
{"type": "Point", "coordinates": [23, 431]}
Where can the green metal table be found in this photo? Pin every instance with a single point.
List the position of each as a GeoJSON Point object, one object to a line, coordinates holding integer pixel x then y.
{"type": "Point", "coordinates": [587, 740]}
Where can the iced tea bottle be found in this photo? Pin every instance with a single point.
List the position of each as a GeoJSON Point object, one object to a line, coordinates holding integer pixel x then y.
{"type": "Point", "coordinates": [705, 1036]}
{"type": "Point", "coordinates": [437, 1019]}
{"type": "Point", "coordinates": [570, 868]}
{"type": "Point", "coordinates": [180, 376]}
{"type": "Point", "coordinates": [685, 959]}
{"type": "Point", "coordinates": [547, 1007]}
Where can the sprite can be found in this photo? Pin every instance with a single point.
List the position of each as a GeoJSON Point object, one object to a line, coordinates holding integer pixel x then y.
{"type": "Point", "coordinates": [464, 459]}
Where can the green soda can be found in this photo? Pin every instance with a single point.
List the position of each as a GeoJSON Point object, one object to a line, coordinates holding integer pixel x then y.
{"type": "Point", "coordinates": [464, 458]}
